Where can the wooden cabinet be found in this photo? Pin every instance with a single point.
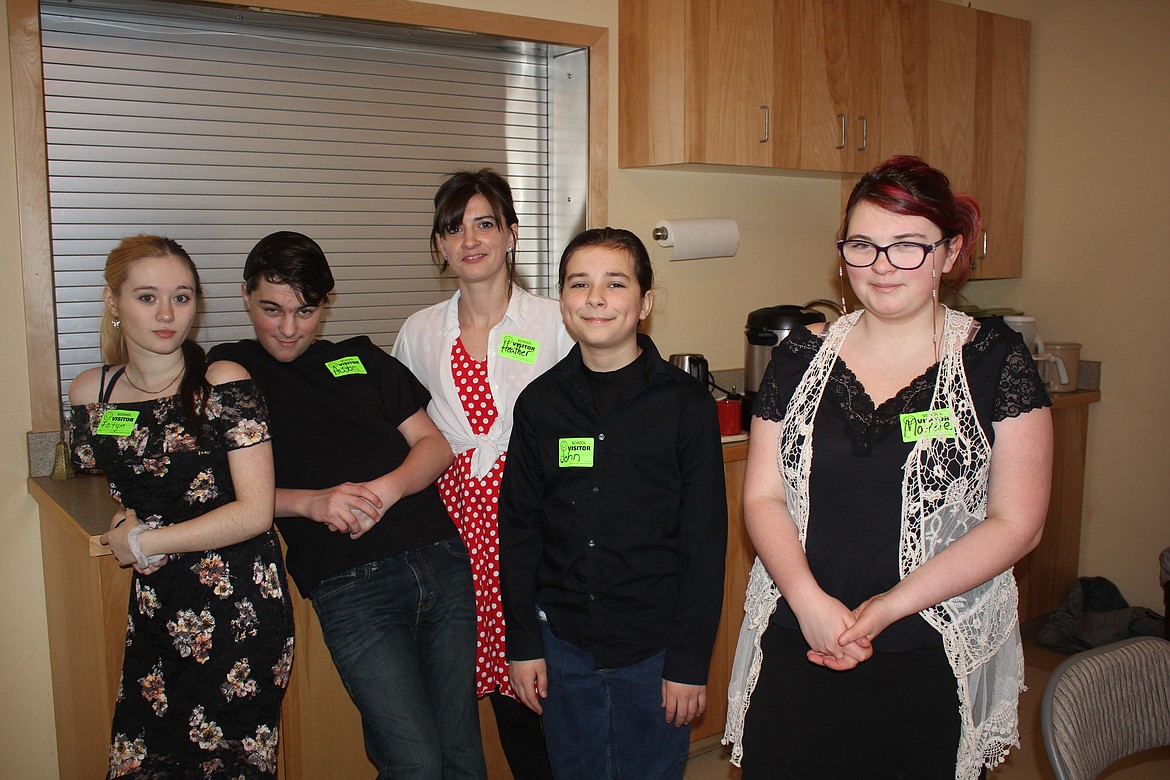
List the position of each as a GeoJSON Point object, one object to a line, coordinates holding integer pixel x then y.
{"type": "Point", "coordinates": [955, 92]}
{"type": "Point", "coordinates": [1045, 574]}
{"type": "Point", "coordinates": [740, 555]}
{"type": "Point", "coordinates": [761, 83]}
{"type": "Point", "coordinates": [1001, 130]}
{"type": "Point", "coordinates": [828, 110]}
{"type": "Point", "coordinates": [833, 86]}
{"type": "Point", "coordinates": [86, 597]}
{"type": "Point", "coordinates": [696, 82]}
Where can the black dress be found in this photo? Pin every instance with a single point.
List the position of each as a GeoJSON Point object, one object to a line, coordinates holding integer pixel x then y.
{"type": "Point", "coordinates": [897, 714]}
{"type": "Point", "coordinates": [209, 636]}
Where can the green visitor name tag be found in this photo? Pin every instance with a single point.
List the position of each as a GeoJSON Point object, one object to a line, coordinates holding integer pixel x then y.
{"type": "Point", "coordinates": [346, 366]}
{"type": "Point", "coordinates": [518, 348]}
{"type": "Point", "coordinates": [575, 453]}
{"type": "Point", "coordinates": [931, 424]}
{"type": "Point", "coordinates": [116, 422]}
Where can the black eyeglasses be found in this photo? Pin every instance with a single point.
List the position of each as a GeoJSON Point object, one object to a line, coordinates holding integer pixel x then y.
{"type": "Point", "coordinates": [903, 255]}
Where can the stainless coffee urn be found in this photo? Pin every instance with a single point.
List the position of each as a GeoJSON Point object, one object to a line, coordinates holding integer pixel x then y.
{"type": "Point", "coordinates": [764, 330]}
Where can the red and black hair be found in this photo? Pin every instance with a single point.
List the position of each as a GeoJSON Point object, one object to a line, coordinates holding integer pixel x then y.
{"type": "Point", "coordinates": [907, 185]}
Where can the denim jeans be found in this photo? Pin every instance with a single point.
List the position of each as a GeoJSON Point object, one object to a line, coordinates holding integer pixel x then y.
{"type": "Point", "coordinates": [402, 634]}
{"type": "Point", "coordinates": [608, 723]}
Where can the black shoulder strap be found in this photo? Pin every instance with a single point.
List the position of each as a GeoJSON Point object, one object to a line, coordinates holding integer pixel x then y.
{"type": "Point", "coordinates": [105, 390]}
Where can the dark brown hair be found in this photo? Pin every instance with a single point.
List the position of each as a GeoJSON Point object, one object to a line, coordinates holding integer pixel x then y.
{"type": "Point", "coordinates": [618, 239]}
{"type": "Point", "coordinates": [451, 200]}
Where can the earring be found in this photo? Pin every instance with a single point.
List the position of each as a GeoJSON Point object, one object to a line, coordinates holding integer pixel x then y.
{"type": "Point", "coordinates": [933, 286]}
{"type": "Point", "coordinates": [117, 323]}
{"type": "Point", "coordinates": [841, 287]}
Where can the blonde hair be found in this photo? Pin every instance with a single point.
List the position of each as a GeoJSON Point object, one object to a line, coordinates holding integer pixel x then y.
{"type": "Point", "coordinates": [193, 388]}
{"type": "Point", "coordinates": [118, 264]}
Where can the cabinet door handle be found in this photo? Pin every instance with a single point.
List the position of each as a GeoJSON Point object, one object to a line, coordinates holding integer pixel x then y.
{"type": "Point", "coordinates": [841, 119]}
{"type": "Point", "coordinates": [864, 134]}
{"type": "Point", "coordinates": [983, 252]}
{"type": "Point", "coordinates": [767, 124]}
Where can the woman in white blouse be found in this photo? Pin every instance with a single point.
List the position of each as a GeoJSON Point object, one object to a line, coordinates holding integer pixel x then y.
{"type": "Point", "coordinates": [475, 353]}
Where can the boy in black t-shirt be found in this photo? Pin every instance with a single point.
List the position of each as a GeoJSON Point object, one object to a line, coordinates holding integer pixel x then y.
{"type": "Point", "coordinates": [368, 537]}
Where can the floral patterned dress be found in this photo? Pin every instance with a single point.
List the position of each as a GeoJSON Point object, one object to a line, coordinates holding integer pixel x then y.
{"type": "Point", "coordinates": [474, 507]}
{"type": "Point", "coordinates": [209, 636]}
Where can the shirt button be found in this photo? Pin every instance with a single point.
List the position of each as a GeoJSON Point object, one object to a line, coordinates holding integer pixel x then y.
{"type": "Point", "coordinates": [592, 597]}
{"type": "Point", "coordinates": [592, 543]}
{"type": "Point", "coordinates": [596, 489]}
{"type": "Point", "coordinates": [601, 437]}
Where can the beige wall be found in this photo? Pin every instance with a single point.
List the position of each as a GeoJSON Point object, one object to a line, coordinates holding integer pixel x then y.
{"type": "Point", "coordinates": [1098, 182]}
{"type": "Point", "coordinates": [1095, 235]}
{"type": "Point", "coordinates": [27, 734]}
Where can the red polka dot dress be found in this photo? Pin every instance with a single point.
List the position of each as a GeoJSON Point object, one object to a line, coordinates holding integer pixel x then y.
{"type": "Point", "coordinates": [473, 505]}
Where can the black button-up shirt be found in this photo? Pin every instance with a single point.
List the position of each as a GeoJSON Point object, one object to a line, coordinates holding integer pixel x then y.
{"type": "Point", "coordinates": [615, 524]}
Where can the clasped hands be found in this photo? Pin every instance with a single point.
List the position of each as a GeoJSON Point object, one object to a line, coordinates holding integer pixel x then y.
{"type": "Point", "coordinates": [841, 638]}
{"type": "Point", "coordinates": [351, 508]}
{"type": "Point", "coordinates": [118, 540]}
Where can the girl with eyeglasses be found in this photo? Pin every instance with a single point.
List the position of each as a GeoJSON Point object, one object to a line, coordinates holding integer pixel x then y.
{"type": "Point", "coordinates": [899, 466]}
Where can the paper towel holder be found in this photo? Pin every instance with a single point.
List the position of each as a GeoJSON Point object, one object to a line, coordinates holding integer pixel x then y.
{"type": "Point", "coordinates": [698, 237]}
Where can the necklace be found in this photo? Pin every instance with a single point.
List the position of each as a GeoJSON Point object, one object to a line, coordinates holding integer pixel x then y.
{"type": "Point", "coordinates": [152, 392]}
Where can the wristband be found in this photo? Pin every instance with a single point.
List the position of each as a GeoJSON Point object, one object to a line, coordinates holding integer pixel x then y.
{"type": "Point", "coordinates": [142, 561]}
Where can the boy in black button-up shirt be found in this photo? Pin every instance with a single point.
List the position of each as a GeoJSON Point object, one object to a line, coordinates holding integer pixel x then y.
{"type": "Point", "coordinates": [613, 529]}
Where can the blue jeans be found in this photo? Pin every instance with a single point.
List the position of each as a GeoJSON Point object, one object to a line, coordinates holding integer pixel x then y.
{"type": "Point", "coordinates": [608, 723]}
{"type": "Point", "coordinates": [402, 634]}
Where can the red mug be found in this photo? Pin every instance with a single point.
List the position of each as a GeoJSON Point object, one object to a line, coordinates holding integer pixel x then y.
{"type": "Point", "coordinates": [730, 420]}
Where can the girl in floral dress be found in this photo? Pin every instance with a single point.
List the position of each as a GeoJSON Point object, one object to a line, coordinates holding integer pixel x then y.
{"type": "Point", "coordinates": [209, 635]}
{"type": "Point", "coordinates": [475, 353]}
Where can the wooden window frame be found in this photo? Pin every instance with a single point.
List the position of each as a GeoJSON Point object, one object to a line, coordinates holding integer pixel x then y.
{"type": "Point", "coordinates": [32, 184]}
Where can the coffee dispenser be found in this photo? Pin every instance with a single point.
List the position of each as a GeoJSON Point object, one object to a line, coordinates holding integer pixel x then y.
{"type": "Point", "coordinates": [764, 330]}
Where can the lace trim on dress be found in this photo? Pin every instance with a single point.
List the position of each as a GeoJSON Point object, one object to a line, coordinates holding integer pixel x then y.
{"type": "Point", "coordinates": [1018, 391]}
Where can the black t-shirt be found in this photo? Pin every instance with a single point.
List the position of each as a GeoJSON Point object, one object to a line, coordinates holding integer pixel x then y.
{"type": "Point", "coordinates": [328, 429]}
{"type": "Point", "coordinates": [855, 483]}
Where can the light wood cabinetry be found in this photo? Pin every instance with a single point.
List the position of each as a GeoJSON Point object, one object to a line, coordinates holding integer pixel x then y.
{"type": "Point", "coordinates": [740, 555]}
{"type": "Point", "coordinates": [86, 598]}
{"type": "Point", "coordinates": [1045, 574]}
{"type": "Point", "coordinates": [833, 86]}
{"type": "Point", "coordinates": [696, 82]}
{"type": "Point", "coordinates": [828, 114]}
{"type": "Point", "coordinates": [1001, 129]}
{"type": "Point", "coordinates": [761, 83]}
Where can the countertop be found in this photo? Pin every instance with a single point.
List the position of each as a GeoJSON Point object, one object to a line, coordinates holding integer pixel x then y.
{"type": "Point", "coordinates": [84, 497]}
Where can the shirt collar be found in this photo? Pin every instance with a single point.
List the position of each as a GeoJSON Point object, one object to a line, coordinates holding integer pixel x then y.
{"type": "Point", "coordinates": [574, 363]}
{"type": "Point", "coordinates": [516, 312]}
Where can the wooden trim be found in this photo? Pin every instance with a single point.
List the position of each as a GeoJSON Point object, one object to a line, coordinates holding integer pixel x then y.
{"type": "Point", "coordinates": [32, 188]}
{"type": "Point", "coordinates": [24, 40]}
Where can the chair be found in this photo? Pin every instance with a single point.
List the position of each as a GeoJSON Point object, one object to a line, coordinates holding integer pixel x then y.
{"type": "Point", "coordinates": [1104, 704]}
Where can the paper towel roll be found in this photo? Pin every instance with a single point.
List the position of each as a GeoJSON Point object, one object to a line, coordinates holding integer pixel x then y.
{"type": "Point", "coordinates": [691, 238]}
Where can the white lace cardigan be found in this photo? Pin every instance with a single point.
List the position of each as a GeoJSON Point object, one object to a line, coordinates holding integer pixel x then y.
{"type": "Point", "coordinates": [944, 494]}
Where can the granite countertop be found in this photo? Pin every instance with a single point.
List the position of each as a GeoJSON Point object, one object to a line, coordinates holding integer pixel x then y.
{"type": "Point", "coordinates": [85, 498]}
